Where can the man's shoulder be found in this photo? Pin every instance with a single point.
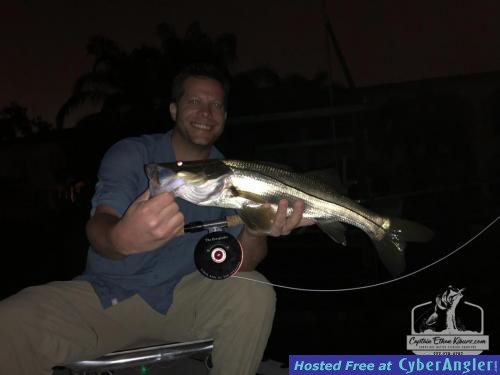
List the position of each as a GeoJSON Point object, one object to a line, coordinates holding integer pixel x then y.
{"type": "Point", "coordinates": [146, 146]}
{"type": "Point", "coordinates": [146, 140]}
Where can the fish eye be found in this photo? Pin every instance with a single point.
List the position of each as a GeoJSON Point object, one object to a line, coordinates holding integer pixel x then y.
{"type": "Point", "coordinates": [179, 163]}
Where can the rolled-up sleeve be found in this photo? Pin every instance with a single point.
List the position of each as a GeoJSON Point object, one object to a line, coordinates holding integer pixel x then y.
{"type": "Point", "coordinates": [121, 177]}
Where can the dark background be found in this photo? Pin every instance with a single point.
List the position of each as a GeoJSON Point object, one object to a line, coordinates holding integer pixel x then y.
{"type": "Point", "coordinates": [425, 148]}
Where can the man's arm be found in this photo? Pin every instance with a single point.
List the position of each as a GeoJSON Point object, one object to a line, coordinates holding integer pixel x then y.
{"type": "Point", "coordinates": [147, 224]}
{"type": "Point", "coordinates": [255, 244]}
{"type": "Point", "coordinates": [254, 248]}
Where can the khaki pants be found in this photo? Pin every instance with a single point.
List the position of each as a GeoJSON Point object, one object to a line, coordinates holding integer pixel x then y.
{"type": "Point", "coordinates": [63, 322]}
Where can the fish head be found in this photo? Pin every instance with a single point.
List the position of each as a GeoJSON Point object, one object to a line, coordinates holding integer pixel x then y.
{"type": "Point", "coordinates": [203, 182]}
{"type": "Point", "coordinates": [449, 298]}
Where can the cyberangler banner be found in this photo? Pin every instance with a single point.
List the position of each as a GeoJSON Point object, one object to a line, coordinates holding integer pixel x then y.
{"type": "Point", "coordinates": [393, 364]}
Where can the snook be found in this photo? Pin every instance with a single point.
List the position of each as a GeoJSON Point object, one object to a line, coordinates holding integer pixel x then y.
{"type": "Point", "coordinates": [254, 189]}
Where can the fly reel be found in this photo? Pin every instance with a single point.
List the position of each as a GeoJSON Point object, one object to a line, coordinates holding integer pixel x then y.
{"type": "Point", "coordinates": [217, 255]}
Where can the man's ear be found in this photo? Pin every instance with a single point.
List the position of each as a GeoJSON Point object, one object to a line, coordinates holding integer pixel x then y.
{"type": "Point", "coordinates": [225, 116]}
{"type": "Point", "coordinates": [173, 111]}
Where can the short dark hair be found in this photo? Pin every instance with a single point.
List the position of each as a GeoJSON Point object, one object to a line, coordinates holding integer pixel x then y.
{"type": "Point", "coordinates": [199, 70]}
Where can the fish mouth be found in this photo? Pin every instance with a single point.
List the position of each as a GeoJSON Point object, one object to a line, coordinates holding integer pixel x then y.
{"type": "Point", "coordinates": [450, 297]}
{"type": "Point", "coordinates": [162, 179]}
{"type": "Point", "coordinates": [195, 181]}
{"type": "Point", "coordinates": [459, 294]}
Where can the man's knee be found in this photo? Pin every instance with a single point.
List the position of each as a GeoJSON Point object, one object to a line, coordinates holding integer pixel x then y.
{"type": "Point", "coordinates": [9, 319]}
{"type": "Point", "coordinates": [14, 311]}
{"type": "Point", "coordinates": [254, 293]}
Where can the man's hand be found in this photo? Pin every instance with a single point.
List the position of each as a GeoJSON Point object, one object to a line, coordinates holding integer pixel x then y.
{"type": "Point", "coordinates": [255, 244]}
{"type": "Point", "coordinates": [147, 224]}
{"type": "Point", "coordinates": [283, 225]}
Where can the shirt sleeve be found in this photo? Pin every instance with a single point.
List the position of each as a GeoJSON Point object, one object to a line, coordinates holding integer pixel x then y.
{"type": "Point", "coordinates": [121, 176]}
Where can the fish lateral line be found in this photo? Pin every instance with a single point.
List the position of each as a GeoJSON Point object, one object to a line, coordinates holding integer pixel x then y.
{"type": "Point", "coordinates": [246, 186]}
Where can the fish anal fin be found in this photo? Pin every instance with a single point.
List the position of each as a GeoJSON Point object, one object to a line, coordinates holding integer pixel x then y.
{"type": "Point", "coordinates": [334, 229]}
{"type": "Point", "coordinates": [258, 218]}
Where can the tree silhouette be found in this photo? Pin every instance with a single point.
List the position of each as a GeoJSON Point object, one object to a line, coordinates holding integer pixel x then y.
{"type": "Point", "coordinates": [15, 123]}
{"type": "Point", "coordinates": [132, 89]}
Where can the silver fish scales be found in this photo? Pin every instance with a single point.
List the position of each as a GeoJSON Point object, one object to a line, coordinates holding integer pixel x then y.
{"type": "Point", "coordinates": [254, 190]}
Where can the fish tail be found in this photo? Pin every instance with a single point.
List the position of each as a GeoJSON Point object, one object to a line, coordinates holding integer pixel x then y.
{"type": "Point", "coordinates": [410, 231]}
{"type": "Point", "coordinates": [391, 247]}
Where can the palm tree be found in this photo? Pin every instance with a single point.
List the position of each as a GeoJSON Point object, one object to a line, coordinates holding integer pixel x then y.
{"type": "Point", "coordinates": [132, 89]}
{"type": "Point", "coordinates": [14, 122]}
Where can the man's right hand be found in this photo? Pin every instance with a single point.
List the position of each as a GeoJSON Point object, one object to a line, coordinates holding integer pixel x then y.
{"type": "Point", "coordinates": [147, 224]}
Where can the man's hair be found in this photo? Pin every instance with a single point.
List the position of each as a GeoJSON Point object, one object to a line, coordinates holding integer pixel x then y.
{"type": "Point", "coordinates": [199, 70]}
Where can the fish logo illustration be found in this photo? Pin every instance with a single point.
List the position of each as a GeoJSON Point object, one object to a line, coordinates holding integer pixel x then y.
{"type": "Point", "coordinates": [447, 325]}
{"type": "Point", "coordinates": [444, 318]}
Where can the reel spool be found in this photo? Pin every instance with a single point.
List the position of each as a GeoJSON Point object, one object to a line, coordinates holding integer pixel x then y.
{"type": "Point", "coordinates": [217, 255]}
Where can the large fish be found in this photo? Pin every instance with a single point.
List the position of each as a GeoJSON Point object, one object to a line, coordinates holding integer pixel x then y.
{"type": "Point", "coordinates": [254, 189]}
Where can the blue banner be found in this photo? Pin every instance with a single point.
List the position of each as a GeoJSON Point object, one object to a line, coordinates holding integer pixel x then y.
{"type": "Point", "coordinates": [393, 364]}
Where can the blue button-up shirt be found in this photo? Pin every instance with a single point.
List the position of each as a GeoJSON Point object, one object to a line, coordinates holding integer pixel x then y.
{"type": "Point", "coordinates": [153, 274]}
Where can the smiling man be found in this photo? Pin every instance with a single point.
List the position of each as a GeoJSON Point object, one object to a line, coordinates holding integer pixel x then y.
{"type": "Point", "coordinates": [141, 282]}
{"type": "Point", "coordinates": [199, 112]}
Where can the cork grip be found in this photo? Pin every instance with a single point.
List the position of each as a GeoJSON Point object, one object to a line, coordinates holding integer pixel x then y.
{"type": "Point", "coordinates": [233, 220]}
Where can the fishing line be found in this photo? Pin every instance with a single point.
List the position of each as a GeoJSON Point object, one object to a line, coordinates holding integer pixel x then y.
{"type": "Point", "coordinates": [382, 282]}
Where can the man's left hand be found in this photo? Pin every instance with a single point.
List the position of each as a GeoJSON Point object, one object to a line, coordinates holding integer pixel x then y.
{"type": "Point", "coordinates": [283, 225]}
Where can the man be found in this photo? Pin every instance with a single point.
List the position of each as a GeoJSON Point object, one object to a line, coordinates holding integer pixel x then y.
{"type": "Point", "coordinates": [140, 282]}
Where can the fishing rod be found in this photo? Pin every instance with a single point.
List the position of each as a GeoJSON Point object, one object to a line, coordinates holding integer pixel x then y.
{"type": "Point", "coordinates": [211, 225]}
{"type": "Point", "coordinates": [219, 255]}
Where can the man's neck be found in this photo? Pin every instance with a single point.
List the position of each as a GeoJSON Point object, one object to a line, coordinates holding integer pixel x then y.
{"type": "Point", "coordinates": [187, 151]}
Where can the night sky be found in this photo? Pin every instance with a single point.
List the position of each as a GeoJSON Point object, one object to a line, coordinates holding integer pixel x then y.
{"type": "Point", "coordinates": [43, 50]}
{"type": "Point", "coordinates": [43, 42]}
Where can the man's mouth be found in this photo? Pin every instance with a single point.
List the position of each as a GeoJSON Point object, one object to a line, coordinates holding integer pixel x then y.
{"type": "Point", "coordinates": [201, 126]}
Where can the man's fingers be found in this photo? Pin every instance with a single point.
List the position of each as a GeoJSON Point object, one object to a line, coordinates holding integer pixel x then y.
{"type": "Point", "coordinates": [280, 218]}
{"type": "Point", "coordinates": [283, 225]}
{"type": "Point", "coordinates": [294, 219]}
{"type": "Point", "coordinates": [144, 196]}
{"type": "Point", "coordinates": [163, 204]}
{"type": "Point", "coordinates": [163, 197]}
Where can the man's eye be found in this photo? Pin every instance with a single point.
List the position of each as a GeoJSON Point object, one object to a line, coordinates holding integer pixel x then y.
{"type": "Point", "coordinates": [194, 101]}
{"type": "Point", "coordinates": [218, 105]}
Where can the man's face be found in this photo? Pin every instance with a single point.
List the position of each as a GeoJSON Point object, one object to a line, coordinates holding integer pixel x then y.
{"type": "Point", "coordinates": [200, 114]}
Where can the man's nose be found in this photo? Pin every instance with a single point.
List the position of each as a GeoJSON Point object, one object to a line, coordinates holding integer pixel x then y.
{"type": "Point", "coordinates": [205, 110]}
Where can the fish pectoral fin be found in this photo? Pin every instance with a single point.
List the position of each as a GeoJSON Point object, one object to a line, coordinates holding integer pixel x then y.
{"type": "Point", "coordinates": [334, 229]}
{"type": "Point", "coordinates": [249, 196]}
{"type": "Point", "coordinates": [258, 218]}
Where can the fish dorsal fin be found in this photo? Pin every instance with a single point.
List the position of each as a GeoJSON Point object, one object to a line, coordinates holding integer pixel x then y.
{"type": "Point", "coordinates": [334, 229]}
{"type": "Point", "coordinates": [275, 165]}
{"type": "Point", "coordinates": [258, 218]}
{"type": "Point", "coordinates": [329, 178]}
